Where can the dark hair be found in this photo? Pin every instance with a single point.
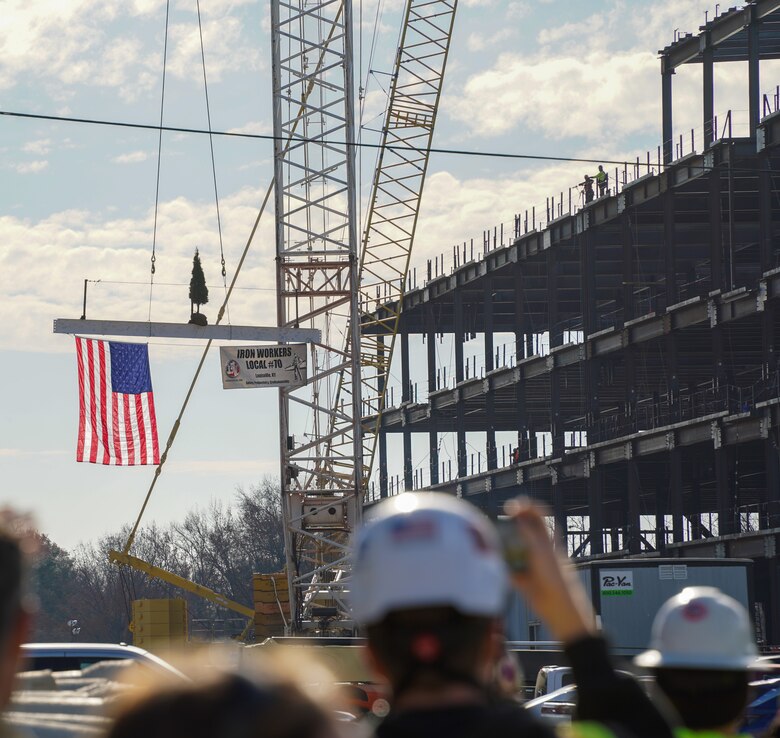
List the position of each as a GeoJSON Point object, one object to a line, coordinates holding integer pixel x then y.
{"type": "Point", "coordinates": [705, 699]}
{"type": "Point", "coordinates": [12, 573]}
{"type": "Point", "coordinates": [429, 647]}
{"type": "Point", "coordinates": [230, 707]}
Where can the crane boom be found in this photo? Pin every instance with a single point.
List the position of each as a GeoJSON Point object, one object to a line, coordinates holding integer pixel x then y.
{"type": "Point", "coordinates": [117, 557]}
{"type": "Point", "coordinates": [394, 206]}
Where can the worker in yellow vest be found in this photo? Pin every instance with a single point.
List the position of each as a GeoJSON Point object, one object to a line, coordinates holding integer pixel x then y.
{"type": "Point", "coordinates": [602, 181]}
{"type": "Point", "coordinates": [701, 653]}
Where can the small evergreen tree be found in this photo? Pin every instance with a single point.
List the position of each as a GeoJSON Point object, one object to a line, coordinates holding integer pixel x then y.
{"type": "Point", "coordinates": [199, 293]}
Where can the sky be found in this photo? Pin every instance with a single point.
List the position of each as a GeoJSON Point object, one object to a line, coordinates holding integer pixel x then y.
{"type": "Point", "coordinates": [77, 201]}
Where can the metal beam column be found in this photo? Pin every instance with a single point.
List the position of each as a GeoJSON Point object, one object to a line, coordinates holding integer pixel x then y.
{"type": "Point", "coordinates": [552, 327]}
{"type": "Point", "coordinates": [754, 71]}
{"type": "Point", "coordinates": [406, 397]}
{"type": "Point", "coordinates": [596, 510]}
{"type": "Point", "coordinates": [433, 436]}
{"type": "Point", "coordinates": [666, 109]}
{"type": "Point", "coordinates": [676, 495]}
{"type": "Point", "coordinates": [632, 537]}
{"type": "Point", "coordinates": [490, 401]}
{"type": "Point", "coordinates": [708, 91]}
{"type": "Point", "coordinates": [460, 417]}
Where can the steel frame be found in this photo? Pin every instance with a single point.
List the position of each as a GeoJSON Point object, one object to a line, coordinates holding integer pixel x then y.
{"type": "Point", "coordinates": [316, 271]}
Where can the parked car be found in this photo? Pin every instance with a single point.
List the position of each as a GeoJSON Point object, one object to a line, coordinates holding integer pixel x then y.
{"type": "Point", "coordinates": [762, 710]}
{"type": "Point", "coordinates": [551, 678]}
{"type": "Point", "coordinates": [76, 656]}
{"type": "Point", "coordinates": [557, 706]}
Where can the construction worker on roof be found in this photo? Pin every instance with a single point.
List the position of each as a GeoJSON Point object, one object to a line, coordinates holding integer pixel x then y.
{"type": "Point", "coordinates": [430, 584]}
{"type": "Point", "coordinates": [602, 180]}
{"type": "Point", "coordinates": [587, 188]}
{"type": "Point", "coordinates": [702, 652]}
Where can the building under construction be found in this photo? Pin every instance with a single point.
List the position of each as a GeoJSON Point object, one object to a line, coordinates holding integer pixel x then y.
{"type": "Point", "coordinates": [641, 392]}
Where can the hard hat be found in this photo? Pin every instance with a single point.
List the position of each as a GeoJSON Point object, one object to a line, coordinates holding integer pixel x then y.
{"type": "Point", "coordinates": [701, 628]}
{"type": "Point", "coordinates": [427, 549]}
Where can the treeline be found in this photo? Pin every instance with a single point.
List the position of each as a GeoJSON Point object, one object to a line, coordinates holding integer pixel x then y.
{"type": "Point", "coordinates": [220, 548]}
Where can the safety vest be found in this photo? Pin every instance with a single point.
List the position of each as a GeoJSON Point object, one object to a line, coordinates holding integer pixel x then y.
{"type": "Point", "coordinates": [584, 729]}
{"type": "Point", "coordinates": [688, 733]}
{"type": "Point", "coordinates": [599, 730]}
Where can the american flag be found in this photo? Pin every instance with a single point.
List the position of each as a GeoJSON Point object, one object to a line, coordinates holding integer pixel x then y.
{"type": "Point", "coordinates": [117, 423]}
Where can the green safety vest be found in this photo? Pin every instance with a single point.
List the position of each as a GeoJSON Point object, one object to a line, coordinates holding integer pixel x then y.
{"type": "Point", "coordinates": [688, 733]}
{"type": "Point", "coordinates": [598, 730]}
{"type": "Point", "coordinates": [584, 729]}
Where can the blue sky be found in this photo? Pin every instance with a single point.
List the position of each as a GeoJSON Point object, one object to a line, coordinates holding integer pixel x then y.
{"type": "Point", "coordinates": [76, 201]}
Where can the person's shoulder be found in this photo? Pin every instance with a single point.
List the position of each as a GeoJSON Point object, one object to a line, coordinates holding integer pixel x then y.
{"type": "Point", "coordinates": [498, 720]}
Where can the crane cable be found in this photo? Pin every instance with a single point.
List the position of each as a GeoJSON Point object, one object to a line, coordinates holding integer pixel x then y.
{"type": "Point", "coordinates": [177, 422]}
{"type": "Point", "coordinates": [211, 145]}
{"type": "Point", "coordinates": [159, 157]}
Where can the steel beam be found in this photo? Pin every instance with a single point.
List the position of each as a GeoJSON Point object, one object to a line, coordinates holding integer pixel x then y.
{"type": "Point", "coordinates": [667, 110]}
{"type": "Point", "coordinates": [186, 331]}
{"type": "Point", "coordinates": [708, 91]}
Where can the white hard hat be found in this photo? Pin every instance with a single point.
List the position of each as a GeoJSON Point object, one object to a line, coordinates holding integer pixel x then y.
{"type": "Point", "coordinates": [701, 628]}
{"type": "Point", "coordinates": [427, 549]}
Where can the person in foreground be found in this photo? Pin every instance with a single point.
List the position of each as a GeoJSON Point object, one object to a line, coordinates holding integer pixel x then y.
{"type": "Point", "coordinates": [15, 600]}
{"type": "Point", "coordinates": [701, 653]}
{"type": "Point", "coordinates": [227, 705]}
{"type": "Point", "coordinates": [430, 584]}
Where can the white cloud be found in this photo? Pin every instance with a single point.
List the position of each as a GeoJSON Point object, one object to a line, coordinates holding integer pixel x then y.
{"type": "Point", "coordinates": [224, 466]}
{"type": "Point", "coordinates": [41, 146]}
{"type": "Point", "coordinates": [44, 262]}
{"type": "Point", "coordinates": [18, 453]}
{"type": "Point", "coordinates": [482, 41]}
{"type": "Point", "coordinates": [31, 167]}
{"type": "Point", "coordinates": [256, 127]}
{"type": "Point", "coordinates": [517, 9]}
{"type": "Point", "coordinates": [34, 44]}
{"type": "Point", "coordinates": [594, 96]}
{"type": "Point", "coordinates": [132, 157]}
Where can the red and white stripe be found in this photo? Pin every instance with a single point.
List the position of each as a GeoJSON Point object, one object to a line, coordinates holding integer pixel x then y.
{"type": "Point", "coordinates": [114, 428]}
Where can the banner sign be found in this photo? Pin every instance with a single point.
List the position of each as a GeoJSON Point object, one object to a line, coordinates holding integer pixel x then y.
{"type": "Point", "coordinates": [263, 366]}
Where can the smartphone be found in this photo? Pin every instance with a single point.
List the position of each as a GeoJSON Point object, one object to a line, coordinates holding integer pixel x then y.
{"type": "Point", "coordinates": [515, 552]}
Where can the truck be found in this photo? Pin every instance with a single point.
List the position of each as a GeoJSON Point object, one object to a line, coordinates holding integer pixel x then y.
{"type": "Point", "coordinates": [627, 593]}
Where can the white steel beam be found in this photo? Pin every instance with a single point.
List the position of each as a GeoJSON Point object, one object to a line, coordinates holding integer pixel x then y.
{"type": "Point", "coordinates": [187, 331]}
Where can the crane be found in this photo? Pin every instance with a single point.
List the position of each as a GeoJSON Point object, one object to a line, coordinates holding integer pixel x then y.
{"type": "Point", "coordinates": [324, 478]}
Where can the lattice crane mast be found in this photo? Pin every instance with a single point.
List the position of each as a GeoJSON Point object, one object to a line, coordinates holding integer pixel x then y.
{"type": "Point", "coordinates": [319, 283]}
{"type": "Point", "coordinates": [316, 279]}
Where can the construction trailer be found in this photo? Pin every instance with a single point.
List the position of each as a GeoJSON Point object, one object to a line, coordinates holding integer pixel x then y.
{"type": "Point", "coordinates": [626, 595]}
{"type": "Point", "coordinates": [619, 360]}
